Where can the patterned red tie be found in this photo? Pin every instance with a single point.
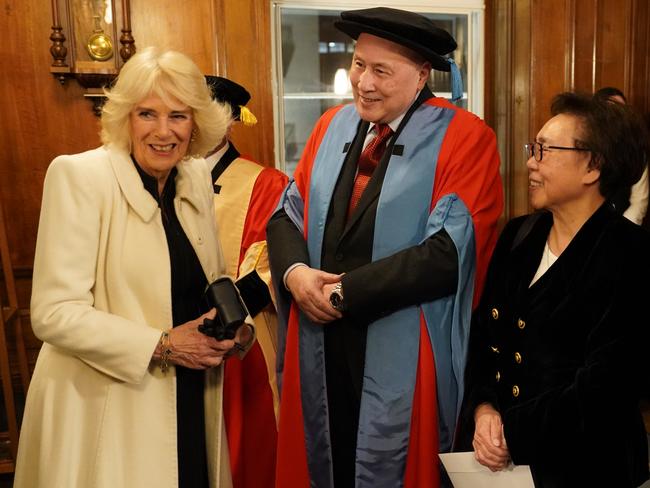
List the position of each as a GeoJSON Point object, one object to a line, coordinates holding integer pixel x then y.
{"type": "Point", "coordinates": [368, 161]}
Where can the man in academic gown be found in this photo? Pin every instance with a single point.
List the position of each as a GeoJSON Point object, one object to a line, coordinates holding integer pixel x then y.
{"type": "Point", "coordinates": [379, 289]}
{"type": "Point", "coordinates": [245, 195]}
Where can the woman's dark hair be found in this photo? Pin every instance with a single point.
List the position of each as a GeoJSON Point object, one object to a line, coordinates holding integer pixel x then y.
{"type": "Point", "coordinates": [607, 92]}
{"type": "Point", "coordinates": [614, 134]}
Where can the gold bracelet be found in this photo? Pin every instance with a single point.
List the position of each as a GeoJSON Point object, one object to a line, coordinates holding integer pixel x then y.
{"type": "Point", "coordinates": [165, 351]}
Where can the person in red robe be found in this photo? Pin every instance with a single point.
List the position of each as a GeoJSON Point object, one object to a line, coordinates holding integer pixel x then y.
{"type": "Point", "coordinates": [245, 195]}
{"type": "Point", "coordinates": [376, 283]}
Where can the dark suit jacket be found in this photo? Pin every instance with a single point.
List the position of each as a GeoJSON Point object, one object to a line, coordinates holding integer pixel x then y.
{"type": "Point", "coordinates": [566, 359]}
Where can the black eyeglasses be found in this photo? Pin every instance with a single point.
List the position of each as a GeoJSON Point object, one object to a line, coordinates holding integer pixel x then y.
{"type": "Point", "coordinates": [536, 149]}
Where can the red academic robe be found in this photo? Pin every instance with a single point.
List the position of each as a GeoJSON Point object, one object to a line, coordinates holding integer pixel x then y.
{"type": "Point", "coordinates": [468, 165]}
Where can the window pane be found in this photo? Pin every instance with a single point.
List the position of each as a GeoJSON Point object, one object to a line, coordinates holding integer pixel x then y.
{"type": "Point", "coordinates": [312, 50]}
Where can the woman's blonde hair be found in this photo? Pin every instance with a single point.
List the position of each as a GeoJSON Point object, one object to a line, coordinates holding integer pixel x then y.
{"type": "Point", "coordinates": [166, 74]}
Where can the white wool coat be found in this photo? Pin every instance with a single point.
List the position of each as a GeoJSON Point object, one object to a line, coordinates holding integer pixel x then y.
{"type": "Point", "coordinates": [98, 414]}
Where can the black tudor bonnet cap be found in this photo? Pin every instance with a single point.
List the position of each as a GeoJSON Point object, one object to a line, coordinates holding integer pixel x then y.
{"type": "Point", "coordinates": [227, 91]}
{"type": "Point", "coordinates": [408, 29]}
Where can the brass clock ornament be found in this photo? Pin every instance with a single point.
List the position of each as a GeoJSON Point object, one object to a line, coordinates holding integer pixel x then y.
{"type": "Point", "coordinates": [99, 44]}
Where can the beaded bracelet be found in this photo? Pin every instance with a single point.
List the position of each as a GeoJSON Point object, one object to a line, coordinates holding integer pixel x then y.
{"type": "Point", "coordinates": [165, 351]}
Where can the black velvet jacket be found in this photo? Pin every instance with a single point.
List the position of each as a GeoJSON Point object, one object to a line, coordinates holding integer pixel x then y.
{"type": "Point", "coordinates": [565, 360]}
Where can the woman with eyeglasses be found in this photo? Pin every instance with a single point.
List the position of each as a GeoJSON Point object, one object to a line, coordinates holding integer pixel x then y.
{"type": "Point", "coordinates": [558, 354]}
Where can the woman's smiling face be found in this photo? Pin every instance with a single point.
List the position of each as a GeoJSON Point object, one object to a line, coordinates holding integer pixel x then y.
{"type": "Point", "coordinates": [563, 176]}
{"type": "Point", "coordinates": [160, 134]}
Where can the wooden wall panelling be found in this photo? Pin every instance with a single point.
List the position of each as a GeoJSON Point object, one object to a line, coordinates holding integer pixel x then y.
{"type": "Point", "coordinates": [582, 21]}
{"type": "Point", "coordinates": [7, 464]}
{"type": "Point", "coordinates": [9, 315]}
{"type": "Point", "coordinates": [521, 74]}
{"type": "Point", "coordinates": [10, 309]}
{"type": "Point", "coordinates": [219, 37]}
{"type": "Point", "coordinates": [187, 27]}
{"type": "Point", "coordinates": [246, 59]}
{"type": "Point", "coordinates": [543, 47]}
{"type": "Point", "coordinates": [498, 85]}
{"type": "Point", "coordinates": [550, 68]}
{"type": "Point", "coordinates": [490, 39]}
{"type": "Point", "coordinates": [642, 53]}
{"type": "Point", "coordinates": [23, 278]}
{"type": "Point", "coordinates": [639, 82]}
{"type": "Point", "coordinates": [613, 44]}
{"type": "Point", "coordinates": [508, 101]}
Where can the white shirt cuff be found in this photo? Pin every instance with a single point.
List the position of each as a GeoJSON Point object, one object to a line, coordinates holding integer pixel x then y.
{"type": "Point", "coordinates": [289, 270]}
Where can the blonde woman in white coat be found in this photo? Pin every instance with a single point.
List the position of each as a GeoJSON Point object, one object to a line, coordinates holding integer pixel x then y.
{"type": "Point", "coordinates": [126, 391]}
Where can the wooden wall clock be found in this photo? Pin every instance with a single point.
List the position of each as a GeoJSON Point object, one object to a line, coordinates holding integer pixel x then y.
{"type": "Point", "coordinates": [84, 35]}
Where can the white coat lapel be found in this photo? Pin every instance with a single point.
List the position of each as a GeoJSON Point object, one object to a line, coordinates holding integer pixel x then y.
{"type": "Point", "coordinates": [131, 184]}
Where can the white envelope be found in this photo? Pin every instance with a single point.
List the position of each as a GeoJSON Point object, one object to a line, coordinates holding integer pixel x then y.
{"type": "Point", "coordinates": [465, 472]}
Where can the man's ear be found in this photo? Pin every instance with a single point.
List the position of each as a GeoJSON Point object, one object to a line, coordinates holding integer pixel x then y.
{"type": "Point", "coordinates": [423, 74]}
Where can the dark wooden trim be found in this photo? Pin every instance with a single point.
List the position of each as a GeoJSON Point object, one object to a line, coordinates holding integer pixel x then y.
{"type": "Point", "coordinates": [523, 61]}
{"type": "Point", "coordinates": [490, 58]}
